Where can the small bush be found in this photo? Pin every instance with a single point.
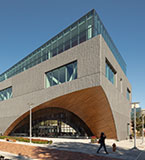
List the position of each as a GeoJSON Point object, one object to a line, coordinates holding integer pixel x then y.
{"type": "Point", "coordinates": [3, 137]}
{"type": "Point", "coordinates": [40, 141]}
{"type": "Point", "coordinates": [23, 139]}
{"type": "Point", "coordinates": [50, 142]}
{"type": "Point", "coordinates": [93, 139]}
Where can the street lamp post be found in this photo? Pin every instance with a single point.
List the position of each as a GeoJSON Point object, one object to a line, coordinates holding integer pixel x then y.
{"type": "Point", "coordinates": [30, 122]}
{"type": "Point", "coordinates": [142, 127]}
{"type": "Point", "coordinates": [128, 129]}
{"type": "Point", "coordinates": [135, 103]}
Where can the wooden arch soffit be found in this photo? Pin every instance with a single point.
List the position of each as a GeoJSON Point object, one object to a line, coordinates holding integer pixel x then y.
{"type": "Point", "coordinates": [90, 105]}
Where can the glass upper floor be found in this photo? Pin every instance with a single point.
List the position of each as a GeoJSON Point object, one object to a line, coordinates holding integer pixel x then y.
{"type": "Point", "coordinates": [82, 30]}
{"type": "Point", "coordinates": [100, 29]}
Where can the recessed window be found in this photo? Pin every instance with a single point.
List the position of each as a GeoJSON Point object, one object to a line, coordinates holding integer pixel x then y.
{"type": "Point", "coordinates": [110, 72]}
{"type": "Point", "coordinates": [6, 94]}
{"type": "Point", "coordinates": [128, 94]}
{"type": "Point", "coordinates": [121, 86]}
{"type": "Point", "coordinates": [62, 74]}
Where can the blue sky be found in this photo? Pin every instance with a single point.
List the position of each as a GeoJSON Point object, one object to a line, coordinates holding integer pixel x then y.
{"type": "Point", "coordinates": [27, 24]}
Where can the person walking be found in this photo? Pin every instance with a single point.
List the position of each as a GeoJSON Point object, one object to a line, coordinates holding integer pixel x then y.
{"type": "Point", "coordinates": [102, 143]}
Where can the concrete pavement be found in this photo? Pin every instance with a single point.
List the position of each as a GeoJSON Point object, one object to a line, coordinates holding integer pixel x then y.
{"type": "Point", "coordinates": [124, 149]}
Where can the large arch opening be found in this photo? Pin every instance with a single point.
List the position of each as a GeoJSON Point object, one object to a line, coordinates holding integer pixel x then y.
{"type": "Point", "coordinates": [90, 106]}
{"type": "Point", "coordinates": [52, 122]}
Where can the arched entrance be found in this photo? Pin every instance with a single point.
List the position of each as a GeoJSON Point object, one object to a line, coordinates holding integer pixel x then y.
{"type": "Point", "coordinates": [52, 122]}
{"type": "Point", "coordinates": [90, 106]}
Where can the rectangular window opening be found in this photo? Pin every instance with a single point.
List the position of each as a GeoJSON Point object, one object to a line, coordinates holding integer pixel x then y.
{"type": "Point", "coordinates": [110, 72]}
{"type": "Point", "coordinates": [6, 94]}
{"type": "Point", "coordinates": [128, 94]}
{"type": "Point", "coordinates": [62, 74]}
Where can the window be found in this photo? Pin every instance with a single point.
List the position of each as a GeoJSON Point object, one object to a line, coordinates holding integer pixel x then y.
{"type": "Point", "coordinates": [74, 41]}
{"type": "Point", "coordinates": [54, 50]}
{"type": "Point", "coordinates": [61, 74]}
{"type": "Point", "coordinates": [69, 72]}
{"type": "Point", "coordinates": [60, 44]}
{"type": "Point", "coordinates": [82, 36]}
{"type": "Point", "coordinates": [121, 86]}
{"type": "Point", "coordinates": [128, 94]}
{"type": "Point", "coordinates": [89, 31]}
{"type": "Point", "coordinates": [6, 94]}
{"type": "Point", "coordinates": [55, 77]}
{"type": "Point", "coordinates": [74, 35]}
{"type": "Point", "coordinates": [82, 31]}
{"type": "Point", "coordinates": [110, 72]}
{"type": "Point", "coordinates": [49, 80]}
{"type": "Point", "coordinates": [67, 41]}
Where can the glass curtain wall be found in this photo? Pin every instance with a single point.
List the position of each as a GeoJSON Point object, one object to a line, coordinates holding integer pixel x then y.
{"type": "Point", "coordinates": [6, 94]}
{"type": "Point", "coordinates": [62, 74]}
{"type": "Point", "coordinates": [100, 29]}
{"type": "Point", "coordinates": [47, 128]}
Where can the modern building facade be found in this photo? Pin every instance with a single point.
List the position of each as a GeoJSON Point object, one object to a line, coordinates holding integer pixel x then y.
{"type": "Point", "coordinates": [75, 83]}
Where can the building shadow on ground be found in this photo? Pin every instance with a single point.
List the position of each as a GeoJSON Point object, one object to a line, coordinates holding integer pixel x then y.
{"type": "Point", "coordinates": [79, 151]}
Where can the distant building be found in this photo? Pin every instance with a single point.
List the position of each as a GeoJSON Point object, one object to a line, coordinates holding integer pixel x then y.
{"type": "Point", "coordinates": [138, 110]}
{"type": "Point", "coordinates": [77, 83]}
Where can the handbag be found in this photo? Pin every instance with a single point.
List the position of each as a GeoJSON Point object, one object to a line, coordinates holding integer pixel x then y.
{"type": "Point", "coordinates": [99, 141]}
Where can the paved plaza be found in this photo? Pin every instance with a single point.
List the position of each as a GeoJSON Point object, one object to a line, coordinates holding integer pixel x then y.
{"type": "Point", "coordinates": [69, 149]}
